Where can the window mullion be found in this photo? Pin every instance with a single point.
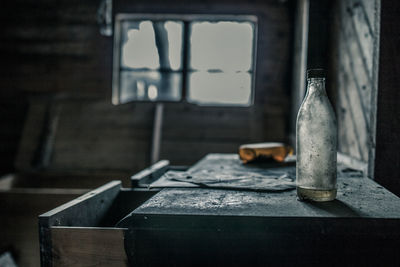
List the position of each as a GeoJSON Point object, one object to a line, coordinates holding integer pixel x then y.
{"type": "Point", "coordinates": [185, 58]}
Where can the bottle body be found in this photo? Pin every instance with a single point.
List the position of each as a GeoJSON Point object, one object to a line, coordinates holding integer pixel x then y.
{"type": "Point", "coordinates": [316, 141]}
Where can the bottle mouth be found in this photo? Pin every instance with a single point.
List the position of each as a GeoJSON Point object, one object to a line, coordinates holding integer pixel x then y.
{"type": "Point", "coordinates": [316, 74]}
{"type": "Point", "coordinates": [316, 79]}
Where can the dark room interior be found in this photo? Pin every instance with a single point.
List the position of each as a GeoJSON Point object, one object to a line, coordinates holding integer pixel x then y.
{"type": "Point", "coordinates": [134, 112]}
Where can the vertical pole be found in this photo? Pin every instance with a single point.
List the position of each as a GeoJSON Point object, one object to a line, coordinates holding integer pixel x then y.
{"type": "Point", "coordinates": [157, 133]}
{"type": "Point", "coordinates": [300, 63]}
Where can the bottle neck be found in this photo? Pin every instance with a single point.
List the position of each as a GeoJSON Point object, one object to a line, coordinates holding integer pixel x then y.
{"type": "Point", "coordinates": [316, 85]}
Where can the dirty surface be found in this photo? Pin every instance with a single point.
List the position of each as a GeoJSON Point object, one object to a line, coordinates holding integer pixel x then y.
{"type": "Point", "coordinates": [357, 197]}
{"type": "Point", "coordinates": [226, 171]}
{"type": "Point", "coordinates": [215, 227]}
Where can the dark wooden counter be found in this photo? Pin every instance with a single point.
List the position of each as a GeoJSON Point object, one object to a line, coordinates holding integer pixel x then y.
{"type": "Point", "coordinates": [192, 226]}
{"type": "Point", "coordinates": [215, 227]}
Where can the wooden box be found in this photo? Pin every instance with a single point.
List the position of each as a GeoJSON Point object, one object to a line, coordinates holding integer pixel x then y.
{"type": "Point", "coordinates": [82, 232]}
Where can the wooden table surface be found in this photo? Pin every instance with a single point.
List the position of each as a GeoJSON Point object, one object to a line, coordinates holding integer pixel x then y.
{"type": "Point", "coordinates": [357, 197]}
{"type": "Point", "coordinates": [238, 227]}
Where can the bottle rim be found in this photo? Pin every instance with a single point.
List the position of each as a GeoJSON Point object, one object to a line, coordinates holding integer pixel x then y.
{"type": "Point", "coordinates": [316, 73]}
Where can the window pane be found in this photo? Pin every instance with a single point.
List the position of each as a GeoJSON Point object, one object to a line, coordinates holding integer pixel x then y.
{"type": "Point", "coordinates": [207, 88]}
{"type": "Point", "coordinates": [224, 45]}
{"type": "Point", "coordinates": [151, 45]}
{"type": "Point", "coordinates": [150, 86]}
{"type": "Point", "coordinates": [139, 48]}
{"type": "Point", "coordinates": [218, 67]}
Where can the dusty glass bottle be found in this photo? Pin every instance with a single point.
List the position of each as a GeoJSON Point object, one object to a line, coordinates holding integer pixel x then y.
{"type": "Point", "coordinates": [316, 139]}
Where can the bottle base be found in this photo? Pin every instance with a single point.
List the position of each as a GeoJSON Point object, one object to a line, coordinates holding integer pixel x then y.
{"type": "Point", "coordinates": [316, 195]}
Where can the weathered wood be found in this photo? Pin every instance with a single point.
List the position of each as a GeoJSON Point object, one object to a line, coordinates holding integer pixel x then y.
{"type": "Point", "coordinates": [357, 198]}
{"type": "Point", "coordinates": [150, 174]}
{"type": "Point", "coordinates": [87, 210]}
{"type": "Point", "coordinates": [31, 134]}
{"type": "Point", "coordinates": [69, 179]}
{"type": "Point", "coordinates": [75, 246]}
{"type": "Point", "coordinates": [103, 207]}
{"type": "Point", "coordinates": [223, 227]}
{"type": "Point", "coordinates": [87, 134]}
{"type": "Point", "coordinates": [19, 208]}
{"type": "Point", "coordinates": [356, 38]}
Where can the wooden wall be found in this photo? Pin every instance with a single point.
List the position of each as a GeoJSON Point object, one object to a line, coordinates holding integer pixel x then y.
{"type": "Point", "coordinates": [47, 47]}
{"type": "Point", "coordinates": [19, 209]}
{"type": "Point", "coordinates": [354, 57]}
{"type": "Point", "coordinates": [56, 80]}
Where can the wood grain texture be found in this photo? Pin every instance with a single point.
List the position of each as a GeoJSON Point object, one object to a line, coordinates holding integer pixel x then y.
{"type": "Point", "coordinates": [356, 37]}
{"type": "Point", "coordinates": [88, 247]}
{"type": "Point", "coordinates": [86, 211]}
{"type": "Point", "coordinates": [101, 208]}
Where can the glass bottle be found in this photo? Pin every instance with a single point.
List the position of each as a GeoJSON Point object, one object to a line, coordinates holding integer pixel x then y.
{"type": "Point", "coordinates": [316, 139]}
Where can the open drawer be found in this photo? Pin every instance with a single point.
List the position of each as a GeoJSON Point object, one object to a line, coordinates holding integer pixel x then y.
{"type": "Point", "coordinates": [82, 232]}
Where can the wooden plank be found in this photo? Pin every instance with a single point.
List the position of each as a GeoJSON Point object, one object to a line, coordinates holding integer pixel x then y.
{"type": "Point", "coordinates": [89, 131]}
{"type": "Point", "coordinates": [102, 207]}
{"type": "Point", "coordinates": [362, 197]}
{"type": "Point", "coordinates": [95, 155]}
{"type": "Point", "coordinates": [82, 211]}
{"type": "Point", "coordinates": [370, 8]}
{"type": "Point", "coordinates": [87, 210]}
{"type": "Point", "coordinates": [221, 124]}
{"type": "Point", "coordinates": [50, 33]}
{"type": "Point", "coordinates": [19, 208]}
{"type": "Point", "coordinates": [352, 52]}
{"type": "Point", "coordinates": [31, 135]}
{"type": "Point", "coordinates": [355, 80]}
{"type": "Point", "coordinates": [16, 200]}
{"type": "Point", "coordinates": [150, 174]}
{"type": "Point", "coordinates": [354, 107]}
{"type": "Point", "coordinates": [75, 246]}
{"type": "Point", "coordinates": [347, 142]}
{"type": "Point", "coordinates": [364, 34]}
{"type": "Point", "coordinates": [70, 178]}
{"type": "Point", "coordinates": [351, 202]}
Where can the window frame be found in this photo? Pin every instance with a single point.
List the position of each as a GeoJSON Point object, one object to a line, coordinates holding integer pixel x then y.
{"type": "Point", "coordinates": [186, 19]}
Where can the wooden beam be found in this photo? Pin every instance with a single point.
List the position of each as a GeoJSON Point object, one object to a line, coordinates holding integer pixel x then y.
{"type": "Point", "coordinates": [88, 246]}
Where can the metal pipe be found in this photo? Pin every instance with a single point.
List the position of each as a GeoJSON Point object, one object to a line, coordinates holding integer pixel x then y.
{"type": "Point", "coordinates": [157, 132]}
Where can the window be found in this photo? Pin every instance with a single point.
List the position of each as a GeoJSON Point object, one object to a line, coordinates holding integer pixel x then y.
{"type": "Point", "coordinates": [204, 59]}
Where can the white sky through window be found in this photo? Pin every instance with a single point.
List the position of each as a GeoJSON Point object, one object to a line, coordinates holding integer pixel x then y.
{"type": "Point", "coordinates": [224, 45]}
{"type": "Point", "coordinates": [140, 51]}
{"type": "Point", "coordinates": [174, 30]}
{"type": "Point", "coordinates": [218, 70]}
